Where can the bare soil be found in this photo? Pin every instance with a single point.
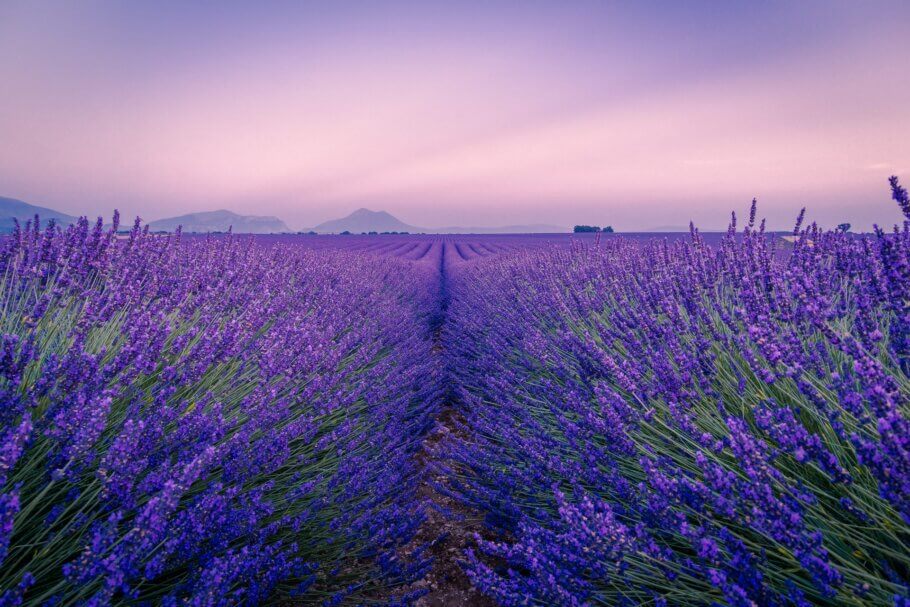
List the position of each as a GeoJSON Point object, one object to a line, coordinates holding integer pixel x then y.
{"type": "Point", "coordinates": [450, 528]}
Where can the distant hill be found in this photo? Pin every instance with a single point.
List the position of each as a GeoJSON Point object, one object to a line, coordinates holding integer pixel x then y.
{"type": "Point", "coordinates": [670, 228]}
{"type": "Point", "coordinates": [361, 220]}
{"type": "Point", "coordinates": [221, 221]}
{"type": "Point", "coordinates": [11, 208]}
{"type": "Point", "coordinates": [685, 228]}
{"type": "Point", "coordinates": [365, 220]}
{"type": "Point", "coordinates": [534, 228]}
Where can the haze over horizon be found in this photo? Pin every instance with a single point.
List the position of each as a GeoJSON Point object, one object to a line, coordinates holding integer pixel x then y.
{"type": "Point", "coordinates": [637, 116]}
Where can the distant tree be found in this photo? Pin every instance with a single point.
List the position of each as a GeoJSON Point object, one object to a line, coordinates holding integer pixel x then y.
{"type": "Point", "coordinates": [373, 233]}
{"type": "Point", "coordinates": [579, 229]}
{"type": "Point", "coordinates": [608, 229]}
{"type": "Point", "coordinates": [346, 233]}
{"type": "Point", "coordinates": [844, 227]}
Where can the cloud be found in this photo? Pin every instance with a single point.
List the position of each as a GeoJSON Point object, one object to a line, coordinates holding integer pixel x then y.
{"type": "Point", "coordinates": [761, 132]}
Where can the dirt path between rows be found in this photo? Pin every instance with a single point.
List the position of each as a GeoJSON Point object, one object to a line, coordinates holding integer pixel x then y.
{"type": "Point", "coordinates": [450, 526]}
{"type": "Point", "coordinates": [449, 529]}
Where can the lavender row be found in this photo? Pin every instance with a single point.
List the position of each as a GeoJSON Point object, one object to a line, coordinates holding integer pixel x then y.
{"type": "Point", "coordinates": [208, 420]}
{"type": "Point", "coordinates": [688, 424]}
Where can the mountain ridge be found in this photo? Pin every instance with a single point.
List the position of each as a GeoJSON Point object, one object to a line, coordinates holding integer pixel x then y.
{"type": "Point", "coordinates": [14, 209]}
{"type": "Point", "coordinates": [366, 220]}
{"type": "Point", "coordinates": [533, 228]}
{"type": "Point", "coordinates": [220, 221]}
{"type": "Point", "coordinates": [360, 220]}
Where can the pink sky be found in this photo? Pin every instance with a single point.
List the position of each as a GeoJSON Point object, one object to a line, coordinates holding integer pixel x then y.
{"type": "Point", "coordinates": [530, 112]}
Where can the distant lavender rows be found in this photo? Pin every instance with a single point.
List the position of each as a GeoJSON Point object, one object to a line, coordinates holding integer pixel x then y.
{"type": "Point", "coordinates": [464, 247]}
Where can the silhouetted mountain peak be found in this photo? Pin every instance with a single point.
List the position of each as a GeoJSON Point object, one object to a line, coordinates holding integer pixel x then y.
{"type": "Point", "coordinates": [13, 209]}
{"type": "Point", "coordinates": [366, 220]}
{"type": "Point", "coordinates": [220, 221]}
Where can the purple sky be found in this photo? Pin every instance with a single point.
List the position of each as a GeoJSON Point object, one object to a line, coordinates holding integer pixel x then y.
{"type": "Point", "coordinates": [633, 114]}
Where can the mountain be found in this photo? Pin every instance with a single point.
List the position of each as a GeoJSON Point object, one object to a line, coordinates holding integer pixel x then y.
{"type": "Point", "coordinates": [361, 220]}
{"type": "Point", "coordinates": [221, 221]}
{"type": "Point", "coordinates": [365, 220]}
{"type": "Point", "coordinates": [670, 228]}
{"type": "Point", "coordinates": [534, 228]}
{"type": "Point", "coordinates": [685, 228]}
{"type": "Point", "coordinates": [11, 208]}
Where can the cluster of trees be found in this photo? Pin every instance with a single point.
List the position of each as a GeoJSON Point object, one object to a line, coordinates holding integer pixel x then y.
{"type": "Point", "coordinates": [607, 229]}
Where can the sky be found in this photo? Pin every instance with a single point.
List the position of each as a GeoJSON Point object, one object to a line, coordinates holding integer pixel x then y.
{"type": "Point", "coordinates": [634, 114]}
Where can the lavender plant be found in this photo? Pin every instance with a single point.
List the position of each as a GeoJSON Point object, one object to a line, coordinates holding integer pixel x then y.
{"type": "Point", "coordinates": [224, 420]}
{"type": "Point", "coordinates": [680, 423]}
{"type": "Point", "coordinates": [207, 420]}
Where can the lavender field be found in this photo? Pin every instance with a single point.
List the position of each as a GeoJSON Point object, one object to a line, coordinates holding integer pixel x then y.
{"type": "Point", "coordinates": [680, 419]}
